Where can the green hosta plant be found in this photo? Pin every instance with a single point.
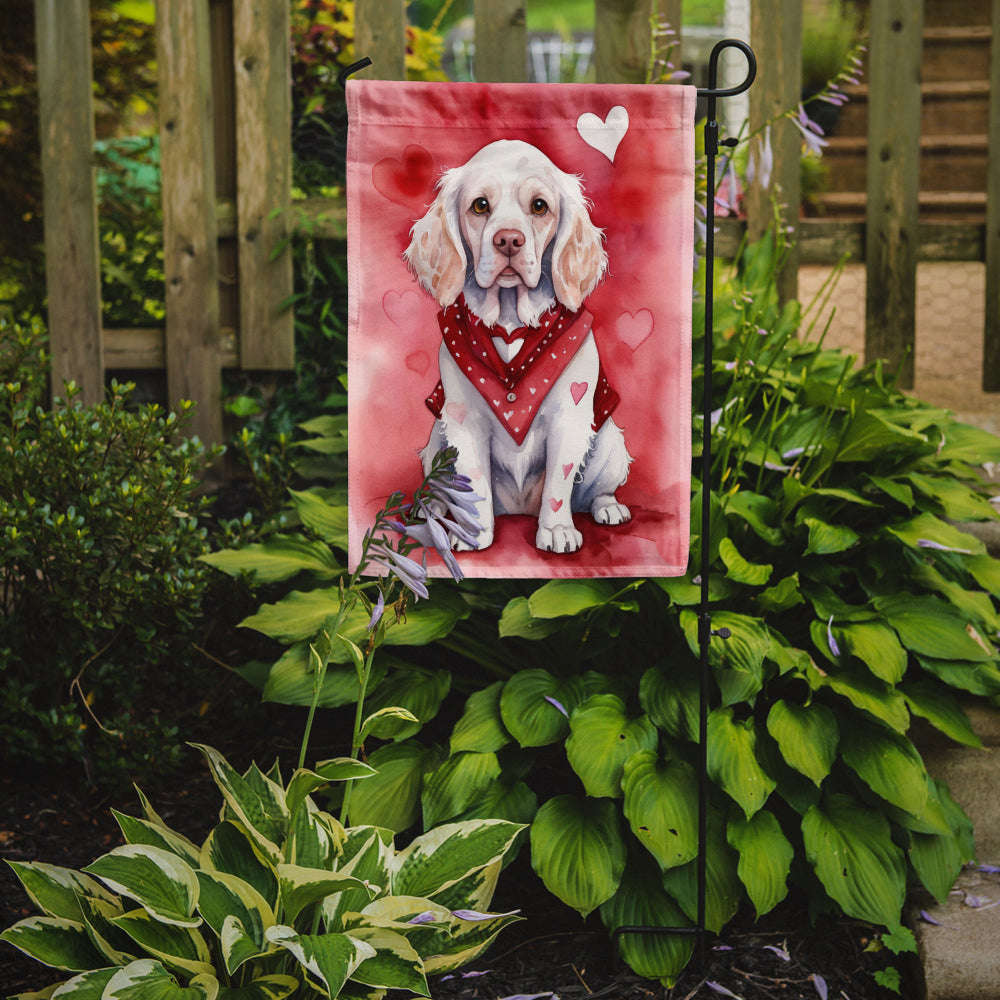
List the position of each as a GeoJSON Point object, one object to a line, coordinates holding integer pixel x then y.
{"type": "Point", "coordinates": [279, 900]}
{"type": "Point", "coordinates": [855, 605]}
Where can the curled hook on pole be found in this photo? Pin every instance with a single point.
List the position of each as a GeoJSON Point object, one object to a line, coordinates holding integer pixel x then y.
{"type": "Point", "coordinates": [354, 67]}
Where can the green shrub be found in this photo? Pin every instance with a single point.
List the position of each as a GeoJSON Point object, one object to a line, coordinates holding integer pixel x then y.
{"type": "Point", "coordinates": [99, 539]}
{"type": "Point", "coordinates": [279, 900]}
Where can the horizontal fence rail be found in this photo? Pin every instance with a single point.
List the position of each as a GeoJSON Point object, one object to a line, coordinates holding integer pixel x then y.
{"type": "Point", "coordinates": [225, 127]}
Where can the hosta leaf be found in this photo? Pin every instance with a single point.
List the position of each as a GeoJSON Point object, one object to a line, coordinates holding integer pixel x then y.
{"type": "Point", "coordinates": [866, 692]}
{"type": "Point", "coordinates": [739, 569]}
{"type": "Point", "coordinates": [517, 620]}
{"type": "Point", "coordinates": [876, 646]}
{"type": "Point", "coordinates": [329, 958]}
{"type": "Point", "coordinates": [230, 849]}
{"type": "Point", "coordinates": [641, 901]}
{"type": "Point", "coordinates": [559, 598]}
{"type": "Point", "coordinates": [760, 512]}
{"type": "Point", "coordinates": [147, 979]}
{"type": "Point", "coordinates": [765, 858]}
{"type": "Point", "coordinates": [417, 690]}
{"type": "Point", "coordinates": [937, 859]}
{"type": "Point", "coordinates": [986, 571]}
{"type": "Point", "coordinates": [159, 881]}
{"type": "Point", "coordinates": [850, 848]}
{"type": "Point", "coordinates": [54, 941]}
{"type": "Point", "coordinates": [928, 528]}
{"type": "Point", "coordinates": [869, 436]}
{"type": "Point", "coordinates": [602, 738]}
{"type": "Point", "coordinates": [141, 831]}
{"type": "Point", "coordinates": [441, 857]}
{"type": "Point", "coordinates": [807, 736]}
{"type": "Point", "coordinates": [738, 661]}
{"type": "Point", "coordinates": [530, 706]}
{"type": "Point", "coordinates": [516, 803]}
{"type": "Point", "coordinates": [887, 762]}
{"type": "Point", "coordinates": [661, 806]}
{"type": "Point", "coordinates": [274, 987]}
{"type": "Point", "coordinates": [56, 891]}
{"type": "Point", "coordinates": [291, 680]}
{"type": "Point", "coordinates": [723, 889]}
{"type": "Point", "coordinates": [391, 798]}
{"type": "Point", "coordinates": [304, 782]}
{"type": "Point", "coordinates": [976, 605]}
{"type": "Point", "coordinates": [578, 851]}
{"type": "Point", "coordinates": [783, 595]}
{"type": "Point", "coordinates": [957, 501]}
{"type": "Point", "coordinates": [941, 709]}
{"type": "Point", "coordinates": [671, 700]}
{"type": "Point", "coordinates": [465, 941]}
{"type": "Point", "coordinates": [932, 628]}
{"type": "Point", "coordinates": [180, 948]}
{"type": "Point", "coordinates": [367, 856]}
{"type": "Point", "coordinates": [976, 678]}
{"type": "Point", "coordinates": [280, 557]}
{"type": "Point", "coordinates": [481, 728]}
{"type": "Point", "coordinates": [684, 592]}
{"type": "Point", "coordinates": [327, 520]}
{"type": "Point", "coordinates": [828, 539]}
{"type": "Point", "coordinates": [260, 809]}
{"type": "Point", "coordinates": [225, 897]}
{"type": "Point", "coordinates": [301, 887]}
{"type": "Point", "coordinates": [87, 986]}
{"type": "Point", "coordinates": [395, 964]}
{"type": "Point", "coordinates": [732, 760]}
{"type": "Point", "coordinates": [456, 784]}
{"type": "Point", "coordinates": [98, 916]}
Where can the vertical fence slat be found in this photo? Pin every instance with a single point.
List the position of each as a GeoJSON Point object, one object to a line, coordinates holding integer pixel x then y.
{"type": "Point", "coordinates": [380, 34]}
{"type": "Point", "coordinates": [892, 214]}
{"type": "Point", "coordinates": [991, 332]}
{"type": "Point", "coordinates": [261, 57]}
{"type": "Point", "coordinates": [190, 253]}
{"type": "Point", "coordinates": [621, 40]}
{"type": "Point", "coordinates": [776, 35]}
{"type": "Point", "coordinates": [670, 12]}
{"type": "Point", "coordinates": [501, 41]}
{"type": "Point", "coordinates": [72, 257]}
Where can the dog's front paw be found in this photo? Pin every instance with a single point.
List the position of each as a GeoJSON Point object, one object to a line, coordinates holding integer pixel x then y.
{"type": "Point", "coordinates": [561, 538]}
{"type": "Point", "coordinates": [607, 510]}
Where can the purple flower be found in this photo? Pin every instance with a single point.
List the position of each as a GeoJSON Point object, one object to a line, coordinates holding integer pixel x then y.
{"type": "Point", "coordinates": [927, 543]}
{"type": "Point", "coordinates": [558, 705]}
{"type": "Point", "coordinates": [834, 648]}
{"type": "Point", "coordinates": [811, 132]}
{"type": "Point", "coordinates": [426, 917]}
{"type": "Point", "coordinates": [820, 983]}
{"type": "Point", "coordinates": [761, 162]}
{"type": "Point", "coordinates": [377, 612]}
{"type": "Point", "coordinates": [410, 573]}
{"type": "Point", "coordinates": [475, 915]}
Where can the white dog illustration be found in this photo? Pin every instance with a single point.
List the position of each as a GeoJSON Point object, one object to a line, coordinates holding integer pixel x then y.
{"type": "Point", "coordinates": [508, 250]}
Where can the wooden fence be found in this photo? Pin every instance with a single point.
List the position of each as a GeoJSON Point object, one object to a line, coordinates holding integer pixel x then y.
{"type": "Point", "coordinates": [225, 125]}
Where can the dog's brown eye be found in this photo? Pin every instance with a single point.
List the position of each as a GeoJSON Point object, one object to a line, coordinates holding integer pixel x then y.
{"type": "Point", "coordinates": [480, 206]}
{"type": "Point", "coordinates": [539, 206]}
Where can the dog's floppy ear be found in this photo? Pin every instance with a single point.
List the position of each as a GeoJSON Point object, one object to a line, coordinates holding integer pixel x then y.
{"type": "Point", "coordinates": [578, 258]}
{"type": "Point", "coordinates": [436, 254]}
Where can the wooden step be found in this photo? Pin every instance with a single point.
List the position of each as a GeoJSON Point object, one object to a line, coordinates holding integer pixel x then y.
{"type": "Point", "coordinates": [958, 206]}
{"type": "Point", "coordinates": [956, 53]}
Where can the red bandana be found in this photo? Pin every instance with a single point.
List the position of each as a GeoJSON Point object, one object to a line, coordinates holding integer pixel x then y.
{"type": "Point", "coordinates": [515, 392]}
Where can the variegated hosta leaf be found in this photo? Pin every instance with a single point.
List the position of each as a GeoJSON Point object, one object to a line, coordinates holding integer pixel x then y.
{"type": "Point", "coordinates": [395, 964]}
{"type": "Point", "coordinates": [367, 854]}
{"type": "Point", "coordinates": [476, 890]}
{"type": "Point", "coordinates": [256, 801]}
{"type": "Point", "coordinates": [315, 838]}
{"type": "Point", "coordinates": [481, 727]}
{"type": "Point", "coordinates": [230, 849]}
{"type": "Point", "coordinates": [465, 941]}
{"type": "Point", "coordinates": [225, 897]}
{"type": "Point", "coordinates": [147, 979]}
{"type": "Point", "coordinates": [177, 947]}
{"type": "Point", "coordinates": [329, 959]}
{"type": "Point", "coordinates": [807, 736]}
{"type": "Point", "coordinates": [732, 760]}
{"type": "Point", "coordinates": [578, 851]}
{"type": "Point", "coordinates": [301, 887]}
{"type": "Point", "coordinates": [98, 915]}
{"type": "Point", "coordinates": [723, 889]}
{"type": "Point", "coordinates": [641, 901]}
{"type": "Point", "coordinates": [535, 706]}
{"type": "Point", "coordinates": [391, 799]}
{"type": "Point", "coordinates": [158, 880]}
{"type": "Point", "coordinates": [54, 941]}
{"type": "Point", "coordinates": [141, 831]}
{"type": "Point", "coordinates": [304, 782]}
{"type": "Point", "coordinates": [274, 987]}
{"type": "Point", "coordinates": [456, 784]}
{"type": "Point", "coordinates": [602, 737]}
{"type": "Point", "coordinates": [851, 850]}
{"type": "Point", "coordinates": [86, 986]}
{"type": "Point", "coordinates": [441, 857]}
{"type": "Point", "coordinates": [888, 763]}
{"type": "Point", "coordinates": [661, 805]}
{"type": "Point", "coordinates": [56, 891]}
{"type": "Point", "coordinates": [765, 858]}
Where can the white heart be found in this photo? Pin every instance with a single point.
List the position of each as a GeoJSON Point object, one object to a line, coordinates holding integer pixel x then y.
{"type": "Point", "coordinates": [508, 415]}
{"type": "Point", "coordinates": [605, 135]}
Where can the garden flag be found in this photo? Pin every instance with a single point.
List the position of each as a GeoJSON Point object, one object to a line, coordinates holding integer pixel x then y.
{"type": "Point", "coordinates": [520, 282]}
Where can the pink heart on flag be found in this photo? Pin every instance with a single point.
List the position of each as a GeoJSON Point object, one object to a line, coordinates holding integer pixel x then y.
{"type": "Point", "coordinates": [456, 410]}
{"type": "Point", "coordinates": [407, 180]}
{"type": "Point", "coordinates": [418, 362]}
{"type": "Point", "coordinates": [633, 329]}
{"type": "Point", "coordinates": [578, 390]}
{"type": "Point", "coordinates": [555, 504]}
{"type": "Point", "coordinates": [567, 469]}
{"type": "Point", "coordinates": [400, 306]}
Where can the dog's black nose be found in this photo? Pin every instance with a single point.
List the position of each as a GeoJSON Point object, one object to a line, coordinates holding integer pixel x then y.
{"type": "Point", "coordinates": [508, 241]}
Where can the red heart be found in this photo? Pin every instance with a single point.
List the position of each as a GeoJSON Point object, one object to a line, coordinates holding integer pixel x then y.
{"type": "Point", "coordinates": [555, 504]}
{"type": "Point", "coordinates": [418, 362]}
{"type": "Point", "coordinates": [456, 410]}
{"type": "Point", "coordinates": [567, 469]}
{"type": "Point", "coordinates": [400, 307]}
{"type": "Point", "coordinates": [634, 328]}
{"type": "Point", "coordinates": [578, 390]}
{"type": "Point", "coordinates": [407, 180]}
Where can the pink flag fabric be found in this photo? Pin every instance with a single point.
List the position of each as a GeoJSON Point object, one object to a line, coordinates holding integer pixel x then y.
{"type": "Point", "coordinates": [520, 284]}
